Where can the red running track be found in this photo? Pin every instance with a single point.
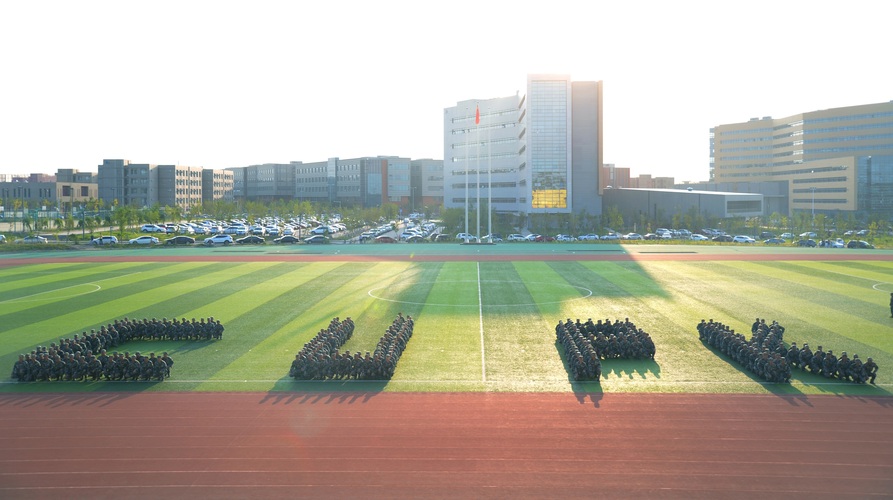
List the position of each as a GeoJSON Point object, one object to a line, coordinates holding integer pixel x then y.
{"type": "Point", "coordinates": [443, 445]}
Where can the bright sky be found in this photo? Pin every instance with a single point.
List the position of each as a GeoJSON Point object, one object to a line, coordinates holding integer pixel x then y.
{"type": "Point", "coordinates": [222, 84]}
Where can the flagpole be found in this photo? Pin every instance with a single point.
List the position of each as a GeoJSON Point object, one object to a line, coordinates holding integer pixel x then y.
{"type": "Point", "coordinates": [477, 121]}
{"type": "Point", "coordinates": [489, 187]}
{"type": "Point", "coordinates": [467, 166]}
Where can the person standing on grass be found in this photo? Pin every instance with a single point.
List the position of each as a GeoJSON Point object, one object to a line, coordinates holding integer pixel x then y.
{"type": "Point", "coordinates": [891, 304]}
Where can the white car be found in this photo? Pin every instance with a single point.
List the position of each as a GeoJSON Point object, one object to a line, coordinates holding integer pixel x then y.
{"type": "Point", "coordinates": [144, 240]}
{"type": "Point", "coordinates": [219, 239]}
{"type": "Point", "coordinates": [743, 239]}
{"type": "Point", "coordinates": [152, 228]}
{"type": "Point", "coordinates": [698, 237]}
{"type": "Point", "coordinates": [632, 236]}
{"type": "Point", "coordinates": [517, 237]}
{"type": "Point", "coordinates": [466, 237]}
{"type": "Point", "coordinates": [588, 237]}
{"type": "Point", "coordinates": [565, 237]}
{"type": "Point", "coordinates": [104, 240]}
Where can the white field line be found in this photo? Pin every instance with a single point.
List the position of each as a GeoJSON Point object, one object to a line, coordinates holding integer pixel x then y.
{"type": "Point", "coordinates": [873, 287]}
{"type": "Point", "coordinates": [481, 320]}
{"type": "Point", "coordinates": [94, 283]}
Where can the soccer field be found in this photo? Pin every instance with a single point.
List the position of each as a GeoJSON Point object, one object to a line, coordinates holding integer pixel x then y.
{"type": "Point", "coordinates": [482, 323]}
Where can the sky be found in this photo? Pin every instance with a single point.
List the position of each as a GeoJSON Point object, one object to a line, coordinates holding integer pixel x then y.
{"type": "Point", "coordinates": [224, 83]}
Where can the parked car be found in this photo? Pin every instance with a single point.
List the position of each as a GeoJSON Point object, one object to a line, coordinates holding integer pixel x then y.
{"type": "Point", "coordinates": [180, 240]}
{"type": "Point", "coordinates": [588, 237]}
{"type": "Point", "coordinates": [564, 237]}
{"type": "Point", "coordinates": [808, 234]}
{"type": "Point", "coordinates": [651, 236]}
{"type": "Point", "coordinates": [806, 243]}
{"type": "Point", "coordinates": [859, 244]}
{"type": "Point", "coordinates": [698, 237]}
{"type": "Point", "coordinates": [787, 236]}
{"type": "Point", "coordinates": [251, 239]}
{"type": "Point", "coordinates": [288, 238]}
{"type": "Point", "coordinates": [218, 239]}
{"type": "Point", "coordinates": [104, 240]}
{"type": "Point", "coordinates": [743, 239]}
{"type": "Point", "coordinates": [2, 239]}
{"type": "Point", "coordinates": [723, 238]}
{"type": "Point", "coordinates": [516, 237]}
{"type": "Point", "coordinates": [632, 236]}
{"type": "Point", "coordinates": [836, 243]}
{"type": "Point", "coordinates": [385, 239]}
{"type": "Point", "coordinates": [33, 239]}
{"type": "Point", "coordinates": [316, 238]}
{"type": "Point", "coordinates": [144, 240]}
{"type": "Point", "coordinates": [774, 241]}
{"type": "Point", "coordinates": [443, 237]}
{"type": "Point", "coordinates": [466, 237]}
{"type": "Point", "coordinates": [152, 228]}
{"type": "Point", "coordinates": [416, 238]}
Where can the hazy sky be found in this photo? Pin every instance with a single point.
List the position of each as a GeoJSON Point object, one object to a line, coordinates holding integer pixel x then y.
{"type": "Point", "coordinates": [222, 83]}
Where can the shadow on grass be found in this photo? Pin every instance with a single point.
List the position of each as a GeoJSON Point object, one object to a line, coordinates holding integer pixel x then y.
{"type": "Point", "coordinates": [288, 390]}
{"type": "Point", "coordinates": [631, 368]}
{"type": "Point", "coordinates": [56, 394]}
{"type": "Point", "coordinates": [584, 390]}
{"type": "Point", "coordinates": [776, 388]}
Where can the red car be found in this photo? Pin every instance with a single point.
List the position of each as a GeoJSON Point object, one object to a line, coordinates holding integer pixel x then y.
{"type": "Point", "coordinates": [385, 239]}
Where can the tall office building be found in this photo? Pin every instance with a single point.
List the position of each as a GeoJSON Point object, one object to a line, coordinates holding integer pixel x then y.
{"type": "Point", "coordinates": [481, 148]}
{"type": "Point", "coordinates": [832, 160]}
{"type": "Point", "coordinates": [541, 153]}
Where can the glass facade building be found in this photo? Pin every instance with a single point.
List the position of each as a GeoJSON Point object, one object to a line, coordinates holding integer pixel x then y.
{"type": "Point", "coordinates": [548, 115]}
{"type": "Point", "coordinates": [540, 153]}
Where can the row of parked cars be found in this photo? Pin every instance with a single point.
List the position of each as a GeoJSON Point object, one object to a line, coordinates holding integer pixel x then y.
{"type": "Point", "coordinates": [217, 239]}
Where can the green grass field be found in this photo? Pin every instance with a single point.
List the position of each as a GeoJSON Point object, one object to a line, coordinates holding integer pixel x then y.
{"type": "Point", "coordinates": [480, 326]}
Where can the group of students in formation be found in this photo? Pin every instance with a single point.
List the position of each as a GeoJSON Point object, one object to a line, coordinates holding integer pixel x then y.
{"type": "Point", "coordinates": [758, 355]}
{"type": "Point", "coordinates": [587, 343]}
{"type": "Point", "coordinates": [320, 359]}
{"type": "Point", "coordinates": [766, 356]}
{"type": "Point", "coordinates": [86, 356]}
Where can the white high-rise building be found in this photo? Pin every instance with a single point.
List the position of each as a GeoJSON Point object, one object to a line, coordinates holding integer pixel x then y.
{"type": "Point", "coordinates": [538, 154]}
{"type": "Point", "coordinates": [481, 151]}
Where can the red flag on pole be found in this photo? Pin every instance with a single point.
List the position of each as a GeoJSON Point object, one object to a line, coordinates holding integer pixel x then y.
{"type": "Point", "coordinates": [477, 115]}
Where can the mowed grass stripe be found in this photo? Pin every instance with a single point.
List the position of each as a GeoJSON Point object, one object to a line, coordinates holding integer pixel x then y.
{"type": "Point", "coordinates": [194, 297]}
{"type": "Point", "coordinates": [281, 299]}
{"type": "Point", "coordinates": [15, 278]}
{"type": "Point", "coordinates": [521, 301]}
{"type": "Point", "coordinates": [136, 278]}
{"type": "Point", "coordinates": [310, 316]}
{"type": "Point", "coordinates": [664, 314]}
{"type": "Point", "coordinates": [43, 287]}
{"type": "Point", "coordinates": [445, 347]}
{"type": "Point", "coordinates": [116, 298]}
{"type": "Point", "coordinates": [107, 305]}
{"type": "Point", "coordinates": [373, 316]}
{"type": "Point", "coordinates": [804, 321]}
{"type": "Point", "coordinates": [425, 354]}
{"type": "Point", "coordinates": [858, 289]}
{"type": "Point", "coordinates": [830, 309]}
